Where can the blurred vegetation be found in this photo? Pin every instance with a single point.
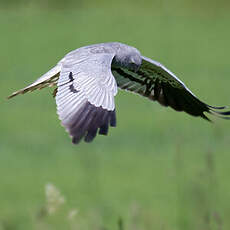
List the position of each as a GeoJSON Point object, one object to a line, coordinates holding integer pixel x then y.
{"type": "Point", "coordinates": [188, 5]}
{"type": "Point", "coordinates": [158, 169]}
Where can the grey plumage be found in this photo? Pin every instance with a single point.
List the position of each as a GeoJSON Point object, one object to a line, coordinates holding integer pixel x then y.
{"type": "Point", "coordinates": [87, 80]}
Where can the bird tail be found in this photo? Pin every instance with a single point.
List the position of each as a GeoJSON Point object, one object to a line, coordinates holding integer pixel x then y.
{"type": "Point", "coordinates": [49, 79]}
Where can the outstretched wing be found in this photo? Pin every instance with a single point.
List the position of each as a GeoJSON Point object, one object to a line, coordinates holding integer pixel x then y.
{"type": "Point", "coordinates": [85, 95]}
{"type": "Point", "coordinates": [49, 79]}
{"type": "Point", "coordinates": [157, 83]}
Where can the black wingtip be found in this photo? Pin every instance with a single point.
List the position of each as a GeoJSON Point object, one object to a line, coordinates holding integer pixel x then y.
{"type": "Point", "coordinates": [90, 135]}
{"type": "Point", "coordinates": [206, 118]}
{"type": "Point", "coordinates": [217, 111]}
{"type": "Point", "coordinates": [216, 107]}
{"type": "Point", "coordinates": [90, 121]}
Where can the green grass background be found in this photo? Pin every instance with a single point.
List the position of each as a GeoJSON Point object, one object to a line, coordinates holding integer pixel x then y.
{"type": "Point", "coordinates": [158, 169]}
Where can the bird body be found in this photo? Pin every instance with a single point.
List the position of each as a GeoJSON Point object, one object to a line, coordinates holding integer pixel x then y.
{"type": "Point", "coordinates": [87, 80]}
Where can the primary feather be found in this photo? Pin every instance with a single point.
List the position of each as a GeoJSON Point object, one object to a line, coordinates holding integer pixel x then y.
{"type": "Point", "coordinates": [87, 80]}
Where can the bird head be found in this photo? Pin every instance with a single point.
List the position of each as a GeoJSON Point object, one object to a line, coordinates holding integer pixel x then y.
{"type": "Point", "coordinates": [127, 56]}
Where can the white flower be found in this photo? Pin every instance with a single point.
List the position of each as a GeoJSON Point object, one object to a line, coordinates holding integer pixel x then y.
{"type": "Point", "coordinates": [72, 214]}
{"type": "Point", "coordinates": [53, 198]}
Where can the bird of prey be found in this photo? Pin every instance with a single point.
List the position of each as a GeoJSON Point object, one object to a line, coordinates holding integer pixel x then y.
{"type": "Point", "coordinates": [87, 80]}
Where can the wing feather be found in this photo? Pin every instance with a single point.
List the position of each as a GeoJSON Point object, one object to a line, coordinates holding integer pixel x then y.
{"type": "Point", "coordinates": [156, 82]}
{"type": "Point", "coordinates": [85, 96]}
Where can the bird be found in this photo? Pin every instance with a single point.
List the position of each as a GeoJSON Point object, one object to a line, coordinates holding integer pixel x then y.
{"type": "Point", "coordinates": [87, 80]}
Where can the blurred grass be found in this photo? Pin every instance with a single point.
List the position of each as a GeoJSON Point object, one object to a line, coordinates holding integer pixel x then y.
{"type": "Point", "coordinates": [158, 169]}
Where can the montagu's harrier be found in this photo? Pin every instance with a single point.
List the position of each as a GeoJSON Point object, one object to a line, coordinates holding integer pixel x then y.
{"type": "Point", "coordinates": [87, 80]}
